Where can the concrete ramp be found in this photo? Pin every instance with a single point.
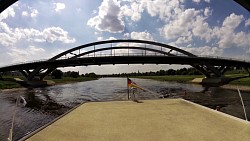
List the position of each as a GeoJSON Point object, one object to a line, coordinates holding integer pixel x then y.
{"type": "Point", "coordinates": [152, 120]}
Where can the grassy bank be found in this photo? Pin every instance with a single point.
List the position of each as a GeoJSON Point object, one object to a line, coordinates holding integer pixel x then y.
{"type": "Point", "coordinates": [9, 85]}
{"type": "Point", "coordinates": [177, 78]}
{"type": "Point", "coordinates": [188, 78]}
{"type": "Point", "coordinates": [243, 81]}
{"type": "Point", "coordinates": [64, 80]}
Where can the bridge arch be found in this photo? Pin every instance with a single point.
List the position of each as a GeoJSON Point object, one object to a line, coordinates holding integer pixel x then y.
{"type": "Point", "coordinates": [144, 42]}
{"type": "Point", "coordinates": [160, 48]}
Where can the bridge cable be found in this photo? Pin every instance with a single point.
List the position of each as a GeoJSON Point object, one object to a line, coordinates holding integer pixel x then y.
{"type": "Point", "coordinates": [242, 103]}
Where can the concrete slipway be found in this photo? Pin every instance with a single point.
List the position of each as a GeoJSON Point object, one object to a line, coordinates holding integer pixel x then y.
{"type": "Point", "coordinates": [151, 120]}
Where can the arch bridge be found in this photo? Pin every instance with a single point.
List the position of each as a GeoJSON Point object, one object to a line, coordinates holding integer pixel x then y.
{"type": "Point", "coordinates": [129, 52]}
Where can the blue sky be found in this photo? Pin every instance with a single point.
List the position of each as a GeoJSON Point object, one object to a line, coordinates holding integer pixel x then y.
{"type": "Point", "coordinates": [37, 29]}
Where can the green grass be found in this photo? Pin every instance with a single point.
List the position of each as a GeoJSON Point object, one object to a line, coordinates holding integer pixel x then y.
{"type": "Point", "coordinates": [243, 81]}
{"type": "Point", "coordinates": [8, 85]}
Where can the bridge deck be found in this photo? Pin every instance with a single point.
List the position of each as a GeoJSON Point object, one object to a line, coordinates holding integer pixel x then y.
{"type": "Point", "coordinates": [172, 119]}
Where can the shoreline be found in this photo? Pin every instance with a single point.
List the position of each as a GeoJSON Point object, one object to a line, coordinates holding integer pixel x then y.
{"type": "Point", "coordinates": [55, 83]}
{"type": "Point", "coordinates": [189, 79]}
{"type": "Point", "coordinates": [227, 86]}
{"type": "Point", "coordinates": [234, 87]}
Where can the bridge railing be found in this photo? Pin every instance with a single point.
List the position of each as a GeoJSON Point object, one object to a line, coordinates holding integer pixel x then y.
{"type": "Point", "coordinates": [158, 54]}
{"type": "Point", "coordinates": [26, 62]}
{"type": "Point", "coordinates": [122, 54]}
{"type": "Point", "coordinates": [223, 57]}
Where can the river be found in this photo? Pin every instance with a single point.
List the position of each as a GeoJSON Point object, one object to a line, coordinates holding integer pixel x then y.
{"type": "Point", "coordinates": [45, 104]}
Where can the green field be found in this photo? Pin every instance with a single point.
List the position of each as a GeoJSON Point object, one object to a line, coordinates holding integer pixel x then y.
{"type": "Point", "coordinates": [64, 80]}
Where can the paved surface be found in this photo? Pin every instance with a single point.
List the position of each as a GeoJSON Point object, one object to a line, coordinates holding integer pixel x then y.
{"type": "Point", "coordinates": [152, 120]}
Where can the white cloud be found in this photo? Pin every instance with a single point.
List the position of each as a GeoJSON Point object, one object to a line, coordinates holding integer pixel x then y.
{"type": "Point", "coordinates": [126, 35]}
{"type": "Point", "coordinates": [241, 39]}
{"type": "Point", "coordinates": [208, 11]}
{"type": "Point", "coordinates": [59, 6]}
{"type": "Point", "coordinates": [111, 38]}
{"type": "Point", "coordinates": [35, 50]}
{"type": "Point", "coordinates": [247, 23]}
{"type": "Point", "coordinates": [4, 28]}
{"type": "Point", "coordinates": [9, 12]}
{"type": "Point", "coordinates": [227, 35]}
{"type": "Point", "coordinates": [25, 13]}
{"type": "Point", "coordinates": [198, 1]}
{"type": "Point", "coordinates": [138, 36]}
{"type": "Point", "coordinates": [134, 10]}
{"type": "Point", "coordinates": [190, 23]}
{"type": "Point", "coordinates": [185, 39]}
{"type": "Point", "coordinates": [10, 36]}
{"type": "Point", "coordinates": [181, 26]}
{"type": "Point", "coordinates": [201, 29]}
{"type": "Point", "coordinates": [99, 38]}
{"type": "Point", "coordinates": [6, 40]}
{"type": "Point", "coordinates": [102, 38]}
{"type": "Point", "coordinates": [205, 51]}
{"type": "Point", "coordinates": [141, 36]}
{"type": "Point", "coordinates": [109, 17]}
{"type": "Point", "coordinates": [33, 13]}
{"type": "Point", "coordinates": [165, 9]}
{"type": "Point", "coordinates": [26, 54]}
{"type": "Point", "coordinates": [232, 21]}
{"type": "Point", "coordinates": [53, 34]}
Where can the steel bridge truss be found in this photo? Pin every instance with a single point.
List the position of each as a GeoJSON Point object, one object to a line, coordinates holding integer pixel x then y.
{"type": "Point", "coordinates": [125, 52]}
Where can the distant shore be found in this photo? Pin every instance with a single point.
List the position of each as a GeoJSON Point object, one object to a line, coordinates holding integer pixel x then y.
{"type": "Point", "coordinates": [9, 86]}
{"type": "Point", "coordinates": [243, 84]}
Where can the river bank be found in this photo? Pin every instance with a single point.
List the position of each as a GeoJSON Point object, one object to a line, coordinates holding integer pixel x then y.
{"type": "Point", "coordinates": [6, 85]}
{"type": "Point", "coordinates": [243, 84]}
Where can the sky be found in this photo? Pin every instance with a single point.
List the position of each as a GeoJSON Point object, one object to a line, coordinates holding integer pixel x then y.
{"type": "Point", "coordinates": [38, 29]}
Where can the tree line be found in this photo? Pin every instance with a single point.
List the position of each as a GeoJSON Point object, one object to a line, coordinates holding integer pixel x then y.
{"type": "Point", "coordinates": [58, 74]}
{"type": "Point", "coordinates": [182, 71]}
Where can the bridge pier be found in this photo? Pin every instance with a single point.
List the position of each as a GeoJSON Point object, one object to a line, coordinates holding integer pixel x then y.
{"type": "Point", "coordinates": [215, 81]}
{"type": "Point", "coordinates": [37, 83]}
{"type": "Point", "coordinates": [247, 70]}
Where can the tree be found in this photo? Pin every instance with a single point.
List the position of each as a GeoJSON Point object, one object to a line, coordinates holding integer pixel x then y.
{"type": "Point", "coordinates": [57, 74]}
{"type": "Point", "coordinates": [74, 74]}
{"type": "Point", "coordinates": [92, 75]}
{"type": "Point", "coordinates": [171, 72]}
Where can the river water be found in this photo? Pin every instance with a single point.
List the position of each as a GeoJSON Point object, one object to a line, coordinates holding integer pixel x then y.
{"type": "Point", "coordinates": [45, 104]}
